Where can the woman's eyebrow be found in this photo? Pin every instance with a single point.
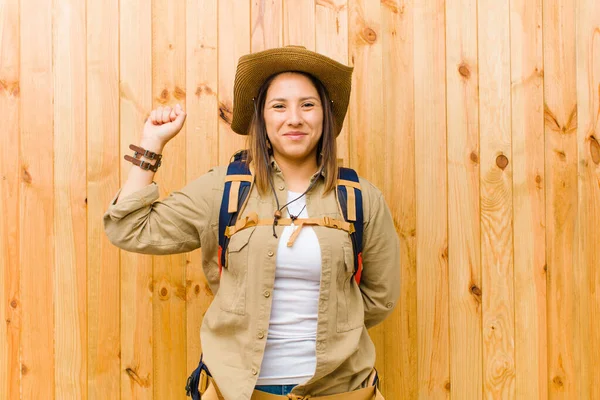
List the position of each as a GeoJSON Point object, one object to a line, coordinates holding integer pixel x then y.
{"type": "Point", "coordinates": [301, 99]}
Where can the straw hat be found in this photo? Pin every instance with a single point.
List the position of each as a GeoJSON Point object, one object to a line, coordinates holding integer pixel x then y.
{"type": "Point", "coordinates": [254, 69]}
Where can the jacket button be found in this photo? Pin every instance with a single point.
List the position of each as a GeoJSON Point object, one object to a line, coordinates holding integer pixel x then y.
{"type": "Point", "coordinates": [254, 372]}
{"type": "Point", "coordinates": [270, 253]}
{"type": "Point", "coordinates": [281, 187]}
{"type": "Point", "coordinates": [266, 293]}
{"type": "Point", "coordinates": [261, 334]}
{"type": "Point", "coordinates": [389, 305]}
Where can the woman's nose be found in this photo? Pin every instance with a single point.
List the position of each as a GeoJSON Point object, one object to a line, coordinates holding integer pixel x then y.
{"type": "Point", "coordinates": [294, 117]}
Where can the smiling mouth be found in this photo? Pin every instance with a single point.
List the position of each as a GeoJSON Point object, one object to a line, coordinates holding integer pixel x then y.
{"type": "Point", "coordinates": [295, 134]}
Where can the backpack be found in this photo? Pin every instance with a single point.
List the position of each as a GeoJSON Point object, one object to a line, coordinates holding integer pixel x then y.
{"type": "Point", "coordinates": [238, 183]}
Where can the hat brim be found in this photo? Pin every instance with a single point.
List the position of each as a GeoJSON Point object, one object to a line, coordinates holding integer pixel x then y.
{"type": "Point", "coordinates": [254, 69]}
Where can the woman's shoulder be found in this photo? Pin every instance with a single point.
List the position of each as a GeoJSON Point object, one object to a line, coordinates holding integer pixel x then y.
{"type": "Point", "coordinates": [372, 197]}
{"type": "Point", "coordinates": [368, 188]}
{"type": "Point", "coordinates": [215, 176]}
{"type": "Point", "coordinates": [209, 182]}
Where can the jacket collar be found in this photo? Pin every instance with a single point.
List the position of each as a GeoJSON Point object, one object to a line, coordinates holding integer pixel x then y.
{"type": "Point", "coordinates": [276, 168]}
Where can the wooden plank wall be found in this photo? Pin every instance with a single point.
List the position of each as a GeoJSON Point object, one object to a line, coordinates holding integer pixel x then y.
{"type": "Point", "coordinates": [478, 120]}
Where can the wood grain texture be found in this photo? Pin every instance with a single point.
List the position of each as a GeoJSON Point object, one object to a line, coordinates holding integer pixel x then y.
{"type": "Point", "coordinates": [10, 307]}
{"type": "Point", "coordinates": [587, 274]}
{"type": "Point", "coordinates": [398, 189]}
{"type": "Point", "coordinates": [168, 275]}
{"type": "Point", "coordinates": [234, 42]}
{"type": "Point", "coordinates": [527, 83]}
{"type": "Point", "coordinates": [366, 126]}
{"type": "Point", "coordinates": [299, 23]}
{"type": "Point", "coordinates": [497, 214]}
{"type": "Point", "coordinates": [496, 200]}
{"type": "Point", "coordinates": [398, 95]}
{"type": "Point", "coordinates": [137, 286]}
{"type": "Point", "coordinates": [103, 263]}
{"type": "Point", "coordinates": [464, 248]}
{"type": "Point", "coordinates": [37, 361]}
{"type": "Point", "coordinates": [70, 181]}
{"type": "Point", "coordinates": [266, 31]}
{"type": "Point", "coordinates": [202, 132]}
{"type": "Point", "coordinates": [562, 242]}
{"type": "Point", "coordinates": [331, 26]}
{"type": "Point", "coordinates": [431, 192]}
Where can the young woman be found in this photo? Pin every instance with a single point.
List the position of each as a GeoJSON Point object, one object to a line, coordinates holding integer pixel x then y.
{"type": "Point", "coordinates": [289, 317]}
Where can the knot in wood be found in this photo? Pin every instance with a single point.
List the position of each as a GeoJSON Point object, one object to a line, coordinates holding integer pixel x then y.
{"type": "Point", "coordinates": [595, 150]}
{"type": "Point", "coordinates": [464, 71]}
{"type": "Point", "coordinates": [164, 95]}
{"type": "Point", "coordinates": [163, 292]}
{"type": "Point", "coordinates": [369, 35]}
{"type": "Point", "coordinates": [26, 177]}
{"type": "Point", "coordinates": [557, 380]}
{"type": "Point", "coordinates": [225, 113]}
{"type": "Point", "coordinates": [179, 93]}
{"type": "Point", "coordinates": [502, 161]}
{"type": "Point", "coordinates": [475, 290]}
{"type": "Point", "coordinates": [474, 157]}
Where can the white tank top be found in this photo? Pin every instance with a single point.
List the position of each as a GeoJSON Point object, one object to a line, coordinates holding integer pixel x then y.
{"type": "Point", "coordinates": [290, 355]}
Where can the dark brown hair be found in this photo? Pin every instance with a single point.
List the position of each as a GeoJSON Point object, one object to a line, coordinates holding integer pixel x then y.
{"type": "Point", "coordinates": [257, 138]}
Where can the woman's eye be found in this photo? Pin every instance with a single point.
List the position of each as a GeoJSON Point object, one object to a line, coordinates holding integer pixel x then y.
{"type": "Point", "coordinates": [308, 104]}
{"type": "Point", "coordinates": [278, 106]}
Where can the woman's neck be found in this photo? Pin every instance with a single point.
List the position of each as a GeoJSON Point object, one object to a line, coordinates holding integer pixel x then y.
{"type": "Point", "coordinates": [297, 175]}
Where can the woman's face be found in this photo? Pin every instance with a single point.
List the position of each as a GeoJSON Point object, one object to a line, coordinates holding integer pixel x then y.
{"type": "Point", "coordinates": [293, 117]}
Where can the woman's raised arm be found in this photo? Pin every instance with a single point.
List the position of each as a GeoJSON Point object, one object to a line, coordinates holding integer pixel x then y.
{"type": "Point", "coordinates": [163, 124]}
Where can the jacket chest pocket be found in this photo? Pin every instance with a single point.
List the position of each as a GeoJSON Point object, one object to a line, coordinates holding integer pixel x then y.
{"type": "Point", "coordinates": [234, 278]}
{"type": "Point", "coordinates": [350, 311]}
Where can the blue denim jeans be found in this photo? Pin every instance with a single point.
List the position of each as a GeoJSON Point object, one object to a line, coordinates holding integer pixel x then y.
{"type": "Point", "coordinates": [276, 389]}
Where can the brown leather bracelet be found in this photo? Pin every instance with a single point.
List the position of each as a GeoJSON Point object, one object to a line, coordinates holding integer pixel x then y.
{"type": "Point", "coordinates": [145, 165]}
{"type": "Point", "coordinates": [141, 152]}
{"type": "Point", "coordinates": [144, 153]}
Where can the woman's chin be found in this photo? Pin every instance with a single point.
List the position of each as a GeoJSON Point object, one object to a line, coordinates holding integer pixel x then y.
{"type": "Point", "coordinates": [296, 155]}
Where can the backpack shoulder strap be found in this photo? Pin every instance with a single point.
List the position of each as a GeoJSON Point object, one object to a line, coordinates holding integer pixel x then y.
{"type": "Point", "coordinates": [349, 195]}
{"type": "Point", "coordinates": [238, 183]}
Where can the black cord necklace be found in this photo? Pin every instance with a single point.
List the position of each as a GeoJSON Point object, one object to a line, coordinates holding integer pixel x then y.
{"type": "Point", "coordinates": [295, 217]}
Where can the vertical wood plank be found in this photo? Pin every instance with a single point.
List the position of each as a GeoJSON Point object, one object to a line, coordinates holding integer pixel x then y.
{"type": "Point", "coordinates": [299, 23]}
{"type": "Point", "coordinates": [10, 310]}
{"type": "Point", "coordinates": [267, 24]}
{"type": "Point", "coordinates": [234, 42]}
{"type": "Point", "coordinates": [400, 329]}
{"type": "Point", "coordinates": [464, 246]}
{"type": "Point", "coordinates": [432, 199]}
{"type": "Point", "coordinates": [560, 115]}
{"type": "Point", "coordinates": [103, 272]}
{"type": "Point", "coordinates": [496, 200]}
{"type": "Point", "coordinates": [70, 305]}
{"type": "Point", "coordinates": [527, 85]}
{"type": "Point", "coordinates": [168, 82]}
{"type": "Point", "coordinates": [202, 143]}
{"type": "Point", "coordinates": [588, 271]}
{"type": "Point", "coordinates": [332, 40]}
{"type": "Point", "coordinates": [37, 201]}
{"type": "Point", "coordinates": [366, 124]}
{"type": "Point", "coordinates": [137, 287]}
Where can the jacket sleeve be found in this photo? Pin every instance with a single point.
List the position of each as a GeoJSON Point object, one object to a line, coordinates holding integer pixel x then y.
{"type": "Point", "coordinates": [140, 224]}
{"type": "Point", "coordinates": [380, 282]}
